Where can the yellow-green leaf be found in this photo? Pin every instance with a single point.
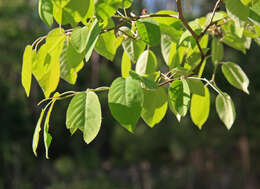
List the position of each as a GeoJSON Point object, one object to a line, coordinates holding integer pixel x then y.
{"type": "Point", "coordinates": [36, 134]}
{"type": "Point", "coordinates": [125, 100]}
{"type": "Point", "coordinates": [46, 65]}
{"type": "Point", "coordinates": [125, 65]}
{"type": "Point", "coordinates": [46, 135]}
{"type": "Point", "coordinates": [226, 110]}
{"type": "Point", "coordinates": [235, 76]}
{"type": "Point", "coordinates": [27, 68]}
{"type": "Point", "coordinates": [155, 106]}
{"type": "Point", "coordinates": [146, 64]}
{"type": "Point", "coordinates": [84, 113]}
{"type": "Point", "coordinates": [200, 107]}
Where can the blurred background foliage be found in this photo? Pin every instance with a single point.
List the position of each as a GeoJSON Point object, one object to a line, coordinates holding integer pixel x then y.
{"type": "Point", "coordinates": [171, 155]}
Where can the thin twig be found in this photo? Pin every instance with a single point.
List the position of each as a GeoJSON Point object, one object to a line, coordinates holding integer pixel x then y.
{"type": "Point", "coordinates": [167, 82]}
{"type": "Point", "coordinates": [211, 19]}
{"type": "Point", "coordinates": [181, 17]}
{"type": "Point", "coordinates": [116, 27]}
{"type": "Point", "coordinates": [194, 35]}
{"type": "Point", "coordinates": [127, 34]}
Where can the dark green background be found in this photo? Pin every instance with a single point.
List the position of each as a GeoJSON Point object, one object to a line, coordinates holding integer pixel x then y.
{"type": "Point", "coordinates": [171, 155]}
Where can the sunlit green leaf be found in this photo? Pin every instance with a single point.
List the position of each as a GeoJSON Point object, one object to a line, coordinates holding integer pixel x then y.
{"type": "Point", "coordinates": [167, 20]}
{"type": "Point", "coordinates": [147, 63]}
{"type": "Point", "coordinates": [254, 13]}
{"type": "Point", "coordinates": [27, 68]}
{"type": "Point", "coordinates": [46, 135]}
{"type": "Point", "coordinates": [235, 76]}
{"type": "Point", "coordinates": [71, 62]}
{"type": "Point", "coordinates": [149, 31]}
{"type": "Point", "coordinates": [107, 45]}
{"type": "Point", "coordinates": [226, 109]}
{"type": "Point", "coordinates": [36, 134]}
{"type": "Point", "coordinates": [196, 86]}
{"type": "Point", "coordinates": [179, 97]}
{"type": "Point", "coordinates": [200, 107]}
{"type": "Point", "coordinates": [237, 10]}
{"type": "Point", "coordinates": [133, 48]}
{"type": "Point", "coordinates": [235, 42]}
{"type": "Point", "coordinates": [125, 65]}
{"type": "Point", "coordinates": [79, 38]}
{"type": "Point", "coordinates": [148, 82]}
{"type": "Point", "coordinates": [154, 110]}
{"type": "Point", "coordinates": [72, 11]}
{"type": "Point", "coordinates": [46, 65]}
{"type": "Point", "coordinates": [45, 9]}
{"type": "Point", "coordinates": [84, 113]}
{"type": "Point", "coordinates": [217, 50]}
{"type": "Point", "coordinates": [125, 100]}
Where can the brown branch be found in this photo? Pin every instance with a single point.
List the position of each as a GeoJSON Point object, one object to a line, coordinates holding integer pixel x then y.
{"type": "Point", "coordinates": [115, 27]}
{"type": "Point", "coordinates": [181, 17]}
{"type": "Point", "coordinates": [211, 19]}
{"type": "Point", "coordinates": [127, 34]}
{"type": "Point", "coordinates": [138, 18]}
{"type": "Point", "coordinates": [167, 82]}
{"type": "Point", "coordinates": [194, 35]}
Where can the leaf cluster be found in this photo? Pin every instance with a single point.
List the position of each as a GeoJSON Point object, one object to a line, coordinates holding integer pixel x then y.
{"type": "Point", "coordinates": [143, 90]}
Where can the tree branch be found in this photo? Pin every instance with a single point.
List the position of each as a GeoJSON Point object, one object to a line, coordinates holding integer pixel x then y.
{"type": "Point", "coordinates": [181, 17]}
{"type": "Point", "coordinates": [211, 19]}
{"type": "Point", "coordinates": [194, 35]}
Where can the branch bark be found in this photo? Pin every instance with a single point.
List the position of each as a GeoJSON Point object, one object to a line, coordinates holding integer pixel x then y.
{"type": "Point", "coordinates": [194, 35]}
{"type": "Point", "coordinates": [211, 19]}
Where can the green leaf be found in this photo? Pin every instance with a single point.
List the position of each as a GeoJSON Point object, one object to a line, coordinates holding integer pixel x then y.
{"type": "Point", "coordinates": [125, 65]}
{"type": "Point", "coordinates": [154, 110]}
{"type": "Point", "coordinates": [196, 86]}
{"type": "Point", "coordinates": [46, 135]}
{"type": "Point", "coordinates": [133, 48]}
{"type": "Point", "coordinates": [173, 32]}
{"type": "Point", "coordinates": [235, 42]}
{"type": "Point", "coordinates": [217, 51]}
{"type": "Point", "coordinates": [36, 134]}
{"type": "Point", "coordinates": [93, 36]}
{"type": "Point", "coordinates": [84, 113]}
{"type": "Point", "coordinates": [217, 17]}
{"type": "Point", "coordinates": [107, 45]}
{"type": "Point", "coordinates": [149, 31]}
{"type": "Point", "coordinates": [200, 107]}
{"type": "Point", "coordinates": [126, 3]}
{"type": "Point", "coordinates": [125, 100]}
{"type": "Point", "coordinates": [104, 11]}
{"type": "Point", "coordinates": [147, 63]}
{"type": "Point", "coordinates": [226, 110]}
{"type": "Point", "coordinates": [167, 20]}
{"type": "Point", "coordinates": [72, 11]}
{"type": "Point", "coordinates": [46, 65]}
{"type": "Point", "coordinates": [45, 9]}
{"type": "Point", "coordinates": [79, 38]}
{"type": "Point", "coordinates": [27, 68]}
{"type": "Point", "coordinates": [71, 62]}
{"type": "Point", "coordinates": [84, 39]}
{"type": "Point", "coordinates": [237, 10]}
{"type": "Point", "coordinates": [167, 46]}
{"type": "Point", "coordinates": [61, 3]}
{"type": "Point", "coordinates": [254, 14]}
{"type": "Point", "coordinates": [172, 53]}
{"type": "Point", "coordinates": [147, 81]}
{"type": "Point", "coordinates": [179, 97]}
{"type": "Point", "coordinates": [93, 117]}
{"type": "Point", "coordinates": [235, 76]}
